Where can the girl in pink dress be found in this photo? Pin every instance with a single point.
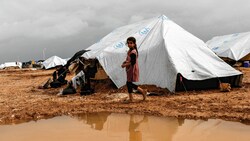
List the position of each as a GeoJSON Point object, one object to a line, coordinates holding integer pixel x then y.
{"type": "Point", "coordinates": [132, 68]}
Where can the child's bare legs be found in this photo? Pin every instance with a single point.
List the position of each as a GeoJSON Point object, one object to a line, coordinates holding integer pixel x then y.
{"type": "Point", "coordinates": [143, 92]}
{"type": "Point", "coordinates": [130, 97]}
{"type": "Point", "coordinates": [132, 86]}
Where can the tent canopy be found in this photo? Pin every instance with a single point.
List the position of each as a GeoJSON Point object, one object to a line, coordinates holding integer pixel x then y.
{"type": "Point", "coordinates": [165, 49]}
{"type": "Point", "coordinates": [53, 62]}
{"type": "Point", "coordinates": [233, 46]}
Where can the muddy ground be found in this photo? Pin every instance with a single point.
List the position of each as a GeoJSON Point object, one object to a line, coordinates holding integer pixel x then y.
{"type": "Point", "coordinates": [21, 100]}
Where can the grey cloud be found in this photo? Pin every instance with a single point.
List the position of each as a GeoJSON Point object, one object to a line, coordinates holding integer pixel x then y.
{"type": "Point", "coordinates": [66, 26]}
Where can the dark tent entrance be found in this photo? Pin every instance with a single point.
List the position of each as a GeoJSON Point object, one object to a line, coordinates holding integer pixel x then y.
{"type": "Point", "coordinates": [183, 84]}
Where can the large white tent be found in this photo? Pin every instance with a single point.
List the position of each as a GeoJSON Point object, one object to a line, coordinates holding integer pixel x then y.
{"type": "Point", "coordinates": [233, 46]}
{"type": "Point", "coordinates": [165, 50]}
{"type": "Point", "coordinates": [53, 62]}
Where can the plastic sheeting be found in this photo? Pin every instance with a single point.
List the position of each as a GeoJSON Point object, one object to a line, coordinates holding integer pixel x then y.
{"type": "Point", "coordinates": [165, 49]}
{"type": "Point", "coordinates": [53, 62]}
{"type": "Point", "coordinates": [76, 79]}
{"type": "Point", "coordinates": [234, 46]}
{"type": "Point", "coordinates": [11, 64]}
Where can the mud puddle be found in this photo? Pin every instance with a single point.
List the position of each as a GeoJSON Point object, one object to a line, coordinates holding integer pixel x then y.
{"type": "Point", "coordinates": [123, 127]}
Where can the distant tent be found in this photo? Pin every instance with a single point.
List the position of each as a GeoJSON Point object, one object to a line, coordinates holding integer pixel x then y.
{"type": "Point", "coordinates": [11, 64]}
{"type": "Point", "coordinates": [2, 66]}
{"type": "Point", "coordinates": [169, 57]}
{"type": "Point", "coordinates": [53, 62]}
{"type": "Point", "coordinates": [234, 46]}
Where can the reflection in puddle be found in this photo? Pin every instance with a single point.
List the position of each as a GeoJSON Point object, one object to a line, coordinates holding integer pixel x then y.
{"type": "Point", "coordinates": [122, 127]}
{"type": "Point", "coordinates": [95, 120]}
{"type": "Point", "coordinates": [133, 127]}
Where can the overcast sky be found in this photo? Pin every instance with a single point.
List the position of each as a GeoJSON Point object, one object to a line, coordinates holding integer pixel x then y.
{"type": "Point", "coordinates": [62, 27]}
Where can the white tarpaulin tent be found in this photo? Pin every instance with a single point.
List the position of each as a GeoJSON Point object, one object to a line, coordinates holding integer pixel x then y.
{"type": "Point", "coordinates": [233, 46]}
{"type": "Point", "coordinates": [165, 49]}
{"type": "Point", "coordinates": [53, 62]}
{"type": "Point", "coordinates": [11, 64]}
{"type": "Point", "coordinates": [2, 66]}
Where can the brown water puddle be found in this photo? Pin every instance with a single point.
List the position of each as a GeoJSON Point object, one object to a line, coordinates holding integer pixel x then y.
{"type": "Point", "coordinates": [122, 127]}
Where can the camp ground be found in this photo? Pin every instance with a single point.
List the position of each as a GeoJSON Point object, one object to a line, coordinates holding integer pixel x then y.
{"type": "Point", "coordinates": [169, 57]}
{"type": "Point", "coordinates": [178, 69]}
{"type": "Point", "coordinates": [124, 70]}
{"type": "Point", "coordinates": [233, 46]}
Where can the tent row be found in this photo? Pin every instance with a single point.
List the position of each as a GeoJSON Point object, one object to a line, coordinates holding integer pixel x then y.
{"type": "Point", "coordinates": [49, 63]}
{"type": "Point", "coordinates": [169, 57]}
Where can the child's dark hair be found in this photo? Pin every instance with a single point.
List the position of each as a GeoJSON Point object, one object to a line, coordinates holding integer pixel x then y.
{"type": "Point", "coordinates": [132, 39]}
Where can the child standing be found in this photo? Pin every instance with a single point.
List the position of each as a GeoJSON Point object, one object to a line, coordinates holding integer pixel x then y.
{"type": "Point", "coordinates": [132, 68]}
